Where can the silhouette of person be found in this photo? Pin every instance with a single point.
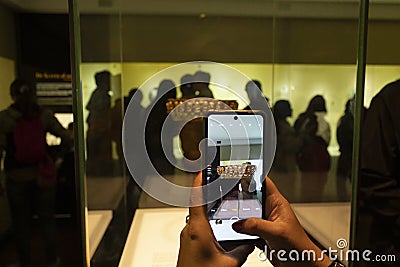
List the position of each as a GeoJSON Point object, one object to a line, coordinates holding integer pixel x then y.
{"type": "Point", "coordinates": [158, 151]}
{"type": "Point", "coordinates": [284, 169]}
{"type": "Point", "coordinates": [378, 225]}
{"type": "Point", "coordinates": [187, 86]}
{"type": "Point", "coordinates": [254, 93]}
{"type": "Point", "coordinates": [117, 115]}
{"type": "Point", "coordinates": [313, 158]}
{"type": "Point", "coordinates": [66, 178]}
{"type": "Point", "coordinates": [201, 84]}
{"type": "Point", "coordinates": [344, 136]}
{"type": "Point", "coordinates": [30, 173]}
{"type": "Point", "coordinates": [192, 132]}
{"type": "Point", "coordinates": [98, 138]}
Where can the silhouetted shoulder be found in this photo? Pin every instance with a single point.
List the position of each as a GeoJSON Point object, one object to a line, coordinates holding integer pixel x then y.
{"type": "Point", "coordinates": [386, 103]}
{"type": "Point", "coordinates": [8, 119]}
{"type": "Point", "coordinates": [388, 91]}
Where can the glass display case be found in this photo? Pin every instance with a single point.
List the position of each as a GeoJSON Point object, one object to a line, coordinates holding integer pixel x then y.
{"type": "Point", "coordinates": [325, 68]}
{"type": "Point", "coordinates": [309, 61]}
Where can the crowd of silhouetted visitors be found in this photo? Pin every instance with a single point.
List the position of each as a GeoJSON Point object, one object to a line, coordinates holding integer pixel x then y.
{"type": "Point", "coordinates": [302, 162]}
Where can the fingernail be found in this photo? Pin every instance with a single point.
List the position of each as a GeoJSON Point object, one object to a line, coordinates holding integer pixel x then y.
{"type": "Point", "coordinates": [237, 226]}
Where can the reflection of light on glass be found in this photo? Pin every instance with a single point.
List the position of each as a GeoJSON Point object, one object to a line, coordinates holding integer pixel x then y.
{"type": "Point", "coordinates": [284, 90]}
{"type": "Point", "coordinates": [292, 88]}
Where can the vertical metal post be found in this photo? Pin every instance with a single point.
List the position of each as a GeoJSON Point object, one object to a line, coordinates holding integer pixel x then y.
{"type": "Point", "coordinates": [80, 184]}
{"type": "Point", "coordinates": [359, 104]}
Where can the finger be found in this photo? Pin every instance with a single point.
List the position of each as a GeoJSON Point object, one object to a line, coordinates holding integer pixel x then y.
{"type": "Point", "coordinates": [184, 233]}
{"type": "Point", "coordinates": [197, 181]}
{"type": "Point", "coordinates": [241, 253]}
{"type": "Point", "coordinates": [198, 225]}
{"type": "Point", "coordinates": [256, 227]}
{"type": "Point", "coordinates": [271, 187]}
{"type": "Point", "coordinates": [273, 197]}
{"type": "Point", "coordinates": [196, 210]}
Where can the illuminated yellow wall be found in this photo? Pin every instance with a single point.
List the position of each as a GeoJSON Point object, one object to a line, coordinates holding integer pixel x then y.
{"type": "Point", "coordinates": [8, 52]}
{"type": "Point", "coordinates": [7, 67]}
{"type": "Point", "coordinates": [294, 82]}
{"type": "Point", "coordinates": [378, 76]}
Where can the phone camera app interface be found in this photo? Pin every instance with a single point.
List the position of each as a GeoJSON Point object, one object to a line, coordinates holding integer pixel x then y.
{"type": "Point", "coordinates": [237, 163]}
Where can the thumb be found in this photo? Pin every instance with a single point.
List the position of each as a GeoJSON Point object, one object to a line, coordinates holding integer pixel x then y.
{"type": "Point", "coordinates": [241, 253]}
{"type": "Point", "coordinates": [256, 227]}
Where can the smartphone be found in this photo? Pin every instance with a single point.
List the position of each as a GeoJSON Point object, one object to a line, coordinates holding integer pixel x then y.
{"type": "Point", "coordinates": [235, 171]}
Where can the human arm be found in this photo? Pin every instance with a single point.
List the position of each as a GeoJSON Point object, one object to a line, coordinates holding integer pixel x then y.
{"type": "Point", "coordinates": [2, 146]}
{"type": "Point", "coordinates": [1, 157]}
{"type": "Point", "coordinates": [53, 126]}
{"type": "Point", "coordinates": [3, 135]}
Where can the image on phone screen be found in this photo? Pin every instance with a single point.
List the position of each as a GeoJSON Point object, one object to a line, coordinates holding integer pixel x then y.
{"type": "Point", "coordinates": [235, 150]}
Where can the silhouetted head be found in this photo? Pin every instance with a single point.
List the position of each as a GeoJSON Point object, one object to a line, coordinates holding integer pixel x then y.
{"type": "Point", "coordinates": [103, 79]}
{"type": "Point", "coordinates": [282, 109]}
{"type": "Point", "coordinates": [317, 104]}
{"type": "Point", "coordinates": [202, 77]}
{"type": "Point", "coordinates": [350, 105]}
{"type": "Point", "coordinates": [186, 86]}
{"type": "Point", "coordinates": [253, 90]}
{"type": "Point", "coordinates": [22, 89]}
{"type": "Point", "coordinates": [166, 89]}
{"type": "Point", "coordinates": [137, 93]}
{"type": "Point", "coordinates": [70, 126]}
{"type": "Point", "coordinates": [186, 79]}
{"type": "Point", "coordinates": [23, 94]}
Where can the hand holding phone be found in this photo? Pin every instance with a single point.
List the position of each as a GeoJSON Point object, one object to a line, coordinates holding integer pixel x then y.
{"type": "Point", "coordinates": [235, 172]}
{"type": "Point", "coordinates": [282, 230]}
{"type": "Point", "coordinates": [198, 247]}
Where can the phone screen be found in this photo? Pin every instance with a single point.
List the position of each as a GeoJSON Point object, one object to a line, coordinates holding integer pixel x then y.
{"type": "Point", "coordinates": [234, 152]}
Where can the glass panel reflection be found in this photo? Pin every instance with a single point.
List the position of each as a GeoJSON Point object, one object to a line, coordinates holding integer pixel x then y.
{"type": "Point", "coordinates": [295, 50]}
